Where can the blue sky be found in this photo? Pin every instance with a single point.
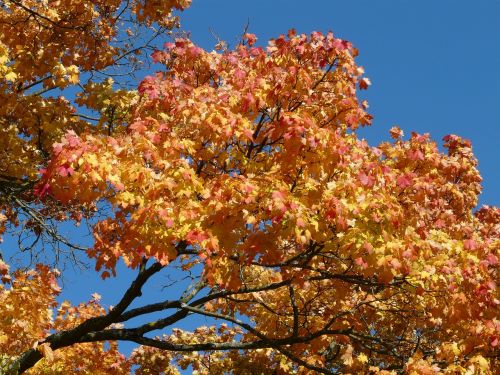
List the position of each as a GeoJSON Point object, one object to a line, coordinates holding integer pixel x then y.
{"type": "Point", "coordinates": [432, 64]}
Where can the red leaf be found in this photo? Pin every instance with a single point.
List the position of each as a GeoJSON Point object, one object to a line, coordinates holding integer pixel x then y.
{"type": "Point", "coordinates": [470, 244]}
{"type": "Point", "coordinates": [364, 83]}
{"type": "Point", "coordinates": [41, 190]}
{"type": "Point", "coordinates": [396, 132]}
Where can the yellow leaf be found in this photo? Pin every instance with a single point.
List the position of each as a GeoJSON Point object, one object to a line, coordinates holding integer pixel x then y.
{"type": "Point", "coordinates": [481, 362]}
{"type": "Point", "coordinates": [362, 358]}
{"type": "Point", "coordinates": [251, 219]}
{"type": "Point", "coordinates": [46, 351]}
{"type": "Point", "coordinates": [11, 76]}
{"type": "Point", "coordinates": [456, 350]}
{"type": "Point", "coordinates": [347, 356]}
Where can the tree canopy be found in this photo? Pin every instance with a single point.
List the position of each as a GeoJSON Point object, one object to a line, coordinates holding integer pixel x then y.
{"type": "Point", "coordinates": [240, 169]}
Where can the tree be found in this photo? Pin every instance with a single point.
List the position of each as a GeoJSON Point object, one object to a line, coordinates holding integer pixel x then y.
{"type": "Point", "coordinates": [311, 251]}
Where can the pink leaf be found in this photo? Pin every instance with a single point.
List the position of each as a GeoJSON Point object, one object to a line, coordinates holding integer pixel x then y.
{"type": "Point", "coordinates": [416, 155]}
{"type": "Point", "coordinates": [470, 244]}
{"type": "Point", "coordinates": [278, 195]}
{"type": "Point", "coordinates": [367, 180]}
{"type": "Point", "coordinates": [492, 259]}
{"type": "Point", "coordinates": [404, 181]}
{"type": "Point", "coordinates": [395, 263]}
{"type": "Point", "coordinates": [300, 223]}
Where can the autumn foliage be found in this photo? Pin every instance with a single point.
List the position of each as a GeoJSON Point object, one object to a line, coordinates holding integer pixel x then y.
{"type": "Point", "coordinates": [310, 250]}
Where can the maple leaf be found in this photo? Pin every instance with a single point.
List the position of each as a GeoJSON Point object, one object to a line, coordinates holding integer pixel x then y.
{"type": "Point", "coordinates": [47, 351]}
{"type": "Point", "coordinates": [396, 132]}
{"type": "Point", "coordinates": [470, 244]}
{"type": "Point", "coordinates": [347, 355]}
{"type": "Point", "coordinates": [251, 39]}
{"type": "Point", "coordinates": [364, 83]}
{"type": "Point", "coordinates": [362, 358]}
{"type": "Point", "coordinates": [365, 179]}
{"type": "Point", "coordinates": [11, 76]}
{"type": "Point", "coordinates": [404, 181]}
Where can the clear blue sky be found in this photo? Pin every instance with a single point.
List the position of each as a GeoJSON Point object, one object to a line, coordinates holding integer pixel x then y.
{"type": "Point", "coordinates": [433, 65]}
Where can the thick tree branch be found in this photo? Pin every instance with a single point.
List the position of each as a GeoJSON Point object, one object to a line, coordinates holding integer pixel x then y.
{"type": "Point", "coordinates": [132, 335]}
{"type": "Point", "coordinates": [170, 304]}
